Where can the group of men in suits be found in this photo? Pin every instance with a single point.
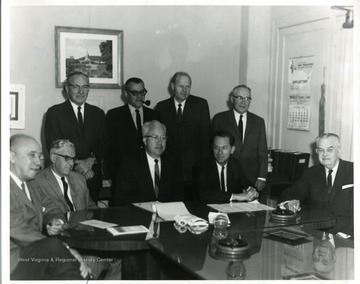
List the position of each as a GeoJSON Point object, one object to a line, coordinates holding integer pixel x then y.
{"type": "Point", "coordinates": [153, 155]}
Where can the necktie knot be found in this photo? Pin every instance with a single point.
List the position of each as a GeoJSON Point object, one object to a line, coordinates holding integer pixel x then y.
{"type": "Point", "coordinates": [156, 161]}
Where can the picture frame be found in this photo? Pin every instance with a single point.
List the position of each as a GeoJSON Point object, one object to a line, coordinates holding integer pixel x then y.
{"type": "Point", "coordinates": [17, 106]}
{"type": "Point", "coordinates": [96, 52]}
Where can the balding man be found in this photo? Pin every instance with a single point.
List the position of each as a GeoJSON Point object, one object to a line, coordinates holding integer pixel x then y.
{"type": "Point", "coordinates": [29, 212]}
{"type": "Point", "coordinates": [329, 185]}
{"type": "Point", "coordinates": [151, 174]}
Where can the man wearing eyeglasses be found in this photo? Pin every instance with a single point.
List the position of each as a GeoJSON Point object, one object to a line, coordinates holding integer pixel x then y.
{"type": "Point", "coordinates": [329, 185]}
{"type": "Point", "coordinates": [123, 125]}
{"type": "Point", "coordinates": [32, 253]}
{"type": "Point", "coordinates": [151, 174]}
{"type": "Point", "coordinates": [68, 191]}
{"type": "Point", "coordinates": [83, 124]}
{"type": "Point", "coordinates": [250, 136]}
{"type": "Point", "coordinates": [66, 188]}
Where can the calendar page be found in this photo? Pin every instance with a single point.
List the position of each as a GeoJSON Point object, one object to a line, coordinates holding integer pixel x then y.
{"type": "Point", "coordinates": [299, 117]}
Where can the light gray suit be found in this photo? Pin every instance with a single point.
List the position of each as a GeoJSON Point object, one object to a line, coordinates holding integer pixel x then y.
{"type": "Point", "coordinates": [27, 218]}
{"type": "Point", "coordinates": [49, 186]}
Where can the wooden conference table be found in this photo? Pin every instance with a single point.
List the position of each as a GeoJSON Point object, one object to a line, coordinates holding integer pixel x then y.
{"type": "Point", "coordinates": [188, 256]}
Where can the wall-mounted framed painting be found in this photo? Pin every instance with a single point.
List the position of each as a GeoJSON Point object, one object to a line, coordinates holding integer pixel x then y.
{"type": "Point", "coordinates": [17, 107]}
{"type": "Point", "coordinates": [96, 52]}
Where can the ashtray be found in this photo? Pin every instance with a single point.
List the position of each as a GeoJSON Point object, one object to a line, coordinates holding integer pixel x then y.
{"type": "Point", "coordinates": [232, 247]}
{"type": "Point", "coordinates": [282, 215]}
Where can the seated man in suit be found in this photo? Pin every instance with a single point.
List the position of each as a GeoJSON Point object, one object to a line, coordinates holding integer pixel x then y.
{"type": "Point", "coordinates": [67, 189]}
{"type": "Point", "coordinates": [123, 126]}
{"type": "Point", "coordinates": [329, 185]}
{"type": "Point", "coordinates": [151, 174]}
{"type": "Point", "coordinates": [31, 252]}
{"type": "Point", "coordinates": [220, 178]}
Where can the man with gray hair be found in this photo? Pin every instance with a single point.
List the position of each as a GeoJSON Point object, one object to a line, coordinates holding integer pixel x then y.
{"type": "Point", "coordinates": [329, 185]}
{"type": "Point", "coordinates": [31, 252]}
{"type": "Point", "coordinates": [65, 187]}
{"type": "Point", "coordinates": [151, 174]}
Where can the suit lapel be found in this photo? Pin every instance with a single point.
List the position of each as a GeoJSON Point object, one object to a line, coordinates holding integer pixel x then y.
{"type": "Point", "coordinates": [249, 125]}
{"type": "Point", "coordinates": [148, 179]}
{"type": "Point", "coordinates": [337, 182]}
{"type": "Point", "coordinates": [71, 116]}
{"type": "Point", "coordinates": [22, 195]}
{"type": "Point", "coordinates": [214, 169]}
{"type": "Point", "coordinates": [54, 186]}
{"type": "Point", "coordinates": [129, 118]}
{"type": "Point", "coordinates": [232, 122]}
{"type": "Point", "coordinates": [187, 108]}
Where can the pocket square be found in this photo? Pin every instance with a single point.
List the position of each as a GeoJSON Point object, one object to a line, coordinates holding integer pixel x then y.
{"type": "Point", "coordinates": [347, 186]}
{"type": "Point", "coordinates": [43, 209]}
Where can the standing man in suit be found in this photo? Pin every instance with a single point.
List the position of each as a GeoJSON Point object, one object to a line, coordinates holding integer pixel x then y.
{"type": "Point", "coordinates": [123, 125]}
{"type": "Point", "coordinates": [83, 124]}
{"type": "Point", "coordinates": [220, 178]}
{"type": "Point", "coordinates": [64, 187]}
{"type": "Point", "coordinates": [329, 185]}
{"type": "Point", "coordinates": [250, 136]}
{"type": "Point", "coordinates": [29, 211]}
{"type": "Point", "coordinates": [151, 174]}
{"type": "Point", "coordinates": [187, 120]}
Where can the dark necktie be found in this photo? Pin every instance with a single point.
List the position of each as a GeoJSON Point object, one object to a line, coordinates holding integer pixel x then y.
{"type": "Point", "coordinates": [80, 118]}
{"type": "Point", "coordinates": [222, 179]}
{"type": "Point", "coordinates": [241, 128]}
{"type": "Point", "coordinates": [138, 122]}
{"type": "Point", "coordinates": [67, 199]}
{"type": "Point", "coordinates": [179, 111]}
{"type": "Point", "coordinates": [329, 181]}
{"type": "Point", "coordinates": [157, 178]}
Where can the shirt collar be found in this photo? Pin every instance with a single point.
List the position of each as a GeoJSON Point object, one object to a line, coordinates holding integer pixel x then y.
{"type": "Point", "coordinates": [177, 104]}
{"type": "Point", "coordinates": [237, 115]}
{"type": "Point", "coordinates": [334, 169]}
{"type": "Point", "coordinates": [75, 106]}
{"type": "Point", "coordinates": [132, 109]}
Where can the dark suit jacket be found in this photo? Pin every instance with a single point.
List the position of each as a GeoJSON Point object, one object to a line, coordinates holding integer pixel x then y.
{"type": "Point", "coordinates": [312, 187]}
{"type": "Point", "coordinates": [252, 154]}
{"type": "Point", "coordinates": [61, 123]}
{"type": "Point", "coordinates": [189, 136]}
{"type": "Point", "coordinates": [207, 182]}
{"type": "Point", "coordinates": [134, 182]}
{"type": "Point", "coordinates": [122, 136]}
{"type": "Point", "coordinates": [47, 183]}
{"type": "Point", "coordinates": [27, 218]}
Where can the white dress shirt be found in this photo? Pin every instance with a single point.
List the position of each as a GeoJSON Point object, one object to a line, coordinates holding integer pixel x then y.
{"type": "Point", "coordinates": [151, 163]}
{"type": "Point", "coordinates": [75, 108]}
{"type": "Point", "coordinates": [133, 114]}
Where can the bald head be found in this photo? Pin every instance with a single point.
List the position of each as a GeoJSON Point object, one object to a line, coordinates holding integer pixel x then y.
{"type": "Point", "coordinates": [25, 156]}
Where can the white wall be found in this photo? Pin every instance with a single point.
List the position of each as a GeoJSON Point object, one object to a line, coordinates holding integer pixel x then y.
{"type": "Point", "coordinates": [158, 41]}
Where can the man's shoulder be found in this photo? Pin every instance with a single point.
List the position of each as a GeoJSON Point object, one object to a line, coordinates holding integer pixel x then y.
{"type": "Point", "coordinates": [94, 109]}
{"type": "Point", "coordinates": [347, 164]}
{"type": "Point", "coordinates": [165, 102]}
{"type": "Point", "coordinates": [196, 99]}
{"type": "Point", "coordinates": [59, 107]}
{"type": "Point", "coordinates": [117, 111]}
{"type": "Point", "coordinates": [223, 114]}
{"type": "Point", "coordinates": [254, 116]}
{"type": "Point", "coordinates": [151, 111]}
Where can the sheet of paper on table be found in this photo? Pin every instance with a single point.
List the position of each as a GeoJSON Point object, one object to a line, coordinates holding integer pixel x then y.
{"type": "Point", "coordinates": [148, 206]}
{"type": "Point", "coordinates": [233, 207]}
{"type": "Point", "coordinates": [98, 224]}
